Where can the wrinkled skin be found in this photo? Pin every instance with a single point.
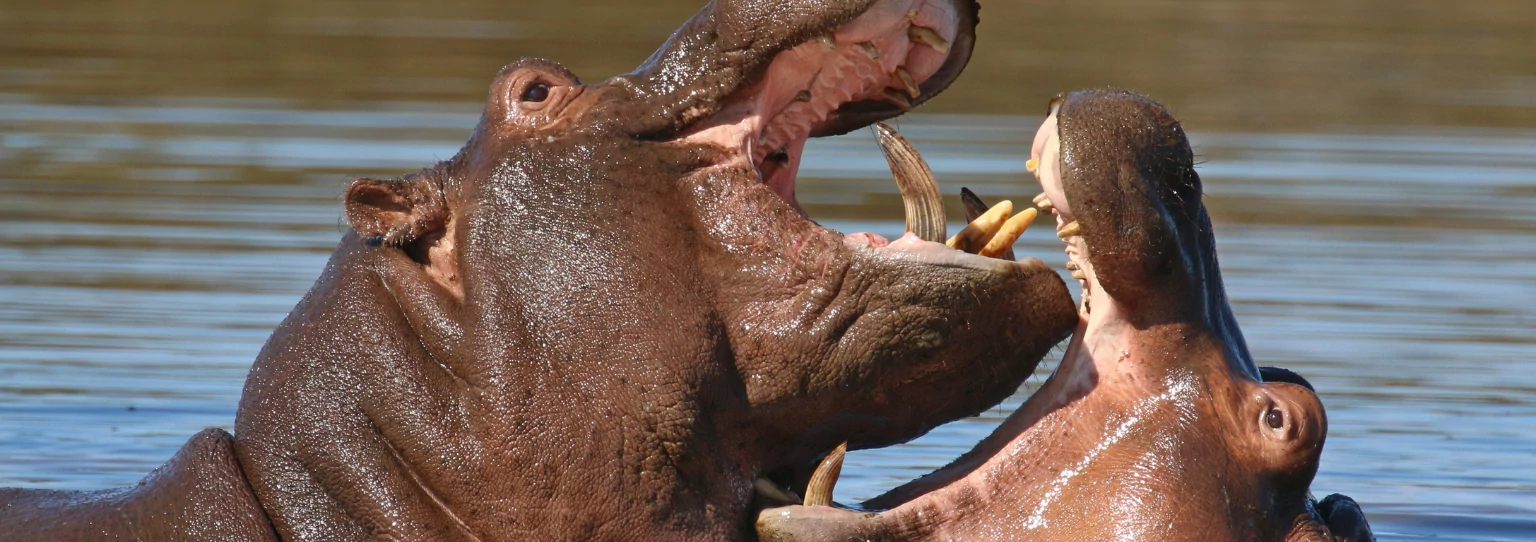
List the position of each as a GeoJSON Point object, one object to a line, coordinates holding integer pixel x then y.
{"type": "Point", "coordinates": [1157, 425]}
{"type": "Point", "coordinates": [598, 321]}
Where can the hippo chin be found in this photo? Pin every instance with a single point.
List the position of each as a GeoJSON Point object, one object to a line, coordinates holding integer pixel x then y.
{"type": "Point", "coordinates": [607, 317]}
{"type": "Point", "coordinates": [1157, 425]}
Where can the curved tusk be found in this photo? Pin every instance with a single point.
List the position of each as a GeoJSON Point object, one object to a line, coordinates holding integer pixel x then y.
{"type": "Point", "coordinates": [919, 192]}
{"type": "Point", "coordinates": [818, 492]}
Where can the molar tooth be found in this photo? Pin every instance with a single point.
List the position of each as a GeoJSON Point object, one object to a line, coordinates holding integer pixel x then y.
{"type": "Point", "coordinates": [898, 97]}
{"type": "Point", "coordinates": [828, 40]}
{"type": "Point", "coordinates": [1070, 230]}
{"type": "Point", "coordinates": [769, 490]}
{"type": "Point", "coordinates": [920, 197]}
{"type": "Point", "coordinates": [870, 50]}
{"type": "Point", "coordinates": [803, 96]}
{"type": "Point", "coordinates": [908, 81]}
{"type": "Point", "coordinates": [927, 36]}
{"type": "Point", "coordinates": [818, 492]}
{"type": "Point", "coordinates": [1009, 233]}
{"type": "Point", "coordinates": [912, 14]}
{"type": "Point", "coordinates": [975, 235]}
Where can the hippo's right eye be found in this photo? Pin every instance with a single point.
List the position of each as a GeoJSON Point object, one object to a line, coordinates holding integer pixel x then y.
{"type": "Point", "coordinates": [536, 92]}
{"type": "Point", "coordinates": [1274, 418]}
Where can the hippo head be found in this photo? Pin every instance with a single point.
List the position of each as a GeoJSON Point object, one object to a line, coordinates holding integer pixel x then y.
{"type": "Point", "coordinates": [1157, 425]}
{"type": "Point", "coordinates": [615, 280]}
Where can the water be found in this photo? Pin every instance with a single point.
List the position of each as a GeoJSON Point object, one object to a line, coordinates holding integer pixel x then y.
{"type": "Point", "coordinates": [170, 176]}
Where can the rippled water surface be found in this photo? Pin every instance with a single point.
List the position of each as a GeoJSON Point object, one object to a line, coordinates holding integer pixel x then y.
{"type": "Point", "coordinates": [170, 173]}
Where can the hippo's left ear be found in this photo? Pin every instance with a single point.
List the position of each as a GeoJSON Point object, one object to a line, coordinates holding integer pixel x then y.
{"type": "Point", "coordinates": [396, 212]}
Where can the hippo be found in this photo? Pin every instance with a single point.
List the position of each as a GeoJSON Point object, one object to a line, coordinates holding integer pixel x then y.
{"type": "Point", "coordinates": [1157, 424]}
{"type": "Point", "coordinates": [607, 317]}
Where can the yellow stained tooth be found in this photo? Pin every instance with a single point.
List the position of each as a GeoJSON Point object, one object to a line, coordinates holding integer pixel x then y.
{"type": "Point", "coordinates": [870, 50]}
{"type": "Point", "coordinates": [1079, 275]}
{"type": "Point", "coordinates": [1045, 206]}
{"type": "Point", "coordinates": [818, 491]}
{"type": "Point", "coordinates": [899, 97]}
{"type": "Point", "coordinates": [1071, 265]}
{"type": "Point", "coordinates": [1031, 165]}
{"type": "Point", "coordinates": [1072, 229]}
{"type": "Point", "coordinates": [1009, 233]}
{"type": "Point", "coordinates": [908, 81]}
{"type": "Point", "coordinates": [976, 234]}
{"type": "Point", "coordinates": [927, 36]}
{"type": "Point", "coordinates": [1042, 197]}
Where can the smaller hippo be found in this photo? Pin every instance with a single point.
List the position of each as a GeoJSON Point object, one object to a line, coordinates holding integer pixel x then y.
{"type": "Point", "coordinates": [1157, 425]}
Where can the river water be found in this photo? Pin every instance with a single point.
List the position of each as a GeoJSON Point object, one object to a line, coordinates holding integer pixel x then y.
{"type": "Point", "coordinates": [170, 175]}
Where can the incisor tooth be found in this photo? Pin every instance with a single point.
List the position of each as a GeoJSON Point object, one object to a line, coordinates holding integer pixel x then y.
{"type": "Point", "coordinates": [771, 491]}
{"type": "Point", "coordinates": [899, 98]}
{"type": "Point", "coordinates": [818, 491]}
{"type": "Point", "coordinates": [927, 36]}
{"type": "Point", "coordinates": [1031, 165]}
{"type": "Point", "coordinates": [870, 50]}
{"type": "Point", "coordinates": [908, 81]}
{"type": "Point", "coordinates": [976, 234]}
{"type": "Point", "coordinates": [1009, 233]}
{"type": "Point", "coordinates": [1072, 229]}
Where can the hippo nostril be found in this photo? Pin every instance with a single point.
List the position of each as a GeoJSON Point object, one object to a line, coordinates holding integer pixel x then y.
{"type": "Point", "coordinates": [536, 92]}
{"type": "Point", "coordinates": [1274, 419]}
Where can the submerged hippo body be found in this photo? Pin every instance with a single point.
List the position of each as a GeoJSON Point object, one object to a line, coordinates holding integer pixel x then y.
{"type": "Point", "coordinates": [1157, 425]}
{"type": "Point", "coordinates": [606, 317]}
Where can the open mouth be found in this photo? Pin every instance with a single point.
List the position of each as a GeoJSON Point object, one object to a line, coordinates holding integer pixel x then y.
{"type": "Point", "coordinates": [895, 55]}
{"type": "Point", "coordinates": [781, 495]}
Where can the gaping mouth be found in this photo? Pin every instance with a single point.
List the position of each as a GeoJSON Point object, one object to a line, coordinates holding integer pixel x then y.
{"type": "Point", "coordinates": [780, 497]}
{"type": "Point", "coordinates": [896, 54]}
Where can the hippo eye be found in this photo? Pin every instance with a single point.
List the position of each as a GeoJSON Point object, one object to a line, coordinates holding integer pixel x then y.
{"type": "Point", "coordinates": [1274, 419]}
{"type": "Point", "coordinates": [536, 92]}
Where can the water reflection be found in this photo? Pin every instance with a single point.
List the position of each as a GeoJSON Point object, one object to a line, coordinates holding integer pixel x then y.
{"type": "Point", "coordinates": [169, 183]}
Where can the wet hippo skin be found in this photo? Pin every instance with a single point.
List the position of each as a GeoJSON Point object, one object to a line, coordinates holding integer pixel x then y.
{"type": "Point", "coordinates": [1157, 425]}
{"type": "Point", "coordinates": [607, 317]}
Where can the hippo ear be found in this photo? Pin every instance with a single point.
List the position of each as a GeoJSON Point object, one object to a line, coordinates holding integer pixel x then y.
{"type": "Point", "coordinates": [396, 212]}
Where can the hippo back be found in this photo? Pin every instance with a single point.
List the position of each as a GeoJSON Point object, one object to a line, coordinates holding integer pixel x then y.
{"type": "Point", "coordinates": [200, 494]}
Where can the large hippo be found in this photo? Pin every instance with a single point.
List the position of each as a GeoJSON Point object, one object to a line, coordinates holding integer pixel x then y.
{"type": "Point", "coordinates": [607, 317]}
{"type": "Point", "coordinates": [1157, 425]}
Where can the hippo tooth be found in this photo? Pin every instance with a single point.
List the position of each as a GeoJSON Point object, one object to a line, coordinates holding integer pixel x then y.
{"type": "Point", "coordinates": [927, 36]}
{"type": "Point", "coordinates": [871, 50]}
{"type": "Point", "coordinates": [1042, 198]}
{"type": "Point", "coordinates": [1046, 206]}
{"type": "Point", "coordinates": [912, 14]}
{"type": "Point", "coordinates": [1070, 230]}
{"type": "Point", "coordinates": [818, 492]}
{"type": "Point", "coordinates": [920, 196]}
{"type": "Point", "coordinates": [769, 490]}
{"type": "Point", "coordinates": [1031, 165]}
{"type": "Point", "coordinates": [1009, 233]}
{"type": "Point", "coordinates": [976, 234]}
{"type": "Point", "coordinates": [803, 96]}
{"type": "Point", "coordinates": [899, 98]}
{"type": "Point", "coordinates": [908, 81]}
{"type": "Point", "coordinates": [829, 41]}
{"type": "Point", "coordinates": [1071, 265]}
{"type": "Point", "coordinates": [1079, 275]}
